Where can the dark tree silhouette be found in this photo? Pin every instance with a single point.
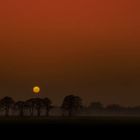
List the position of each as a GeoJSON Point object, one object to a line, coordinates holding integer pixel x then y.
{"type": "Point", "coordinates": [30, 106]}
{"type": "Point", "coordinates": [20, 105]}
{"type": "Point", "coordinates": [71, 104]}
{"type": "Point", "coordinates": [6, 103]}
{"type": "Point", "coordinates": [96, 106]}
{"type": "Point", "coordinates": [48, 105]}
{"type": "Point", "coordinates": [114, 108]}
{"type": "Point", "coordinates": [38, 103]}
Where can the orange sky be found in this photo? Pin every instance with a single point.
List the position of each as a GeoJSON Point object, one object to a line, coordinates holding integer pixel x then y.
{"type": "Point", "coordinates": [89, 47]}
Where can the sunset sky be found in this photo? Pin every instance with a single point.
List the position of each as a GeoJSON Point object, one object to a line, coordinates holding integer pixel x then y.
{"type": "Point", "coordinates": [90, 48]}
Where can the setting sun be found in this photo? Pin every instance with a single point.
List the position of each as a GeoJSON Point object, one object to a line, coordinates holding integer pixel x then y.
{"type": "Point", "coordinates": [36, 89]}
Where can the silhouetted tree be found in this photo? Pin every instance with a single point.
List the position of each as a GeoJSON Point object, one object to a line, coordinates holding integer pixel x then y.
{"type": "Point", "coordinates": [35, 104]}
{"type": "Point", "coordinates": [96, 106]}
{"type": "Point", "coordinates": [135, 109]}
{"type": "Point", "coordinates": [71, 104]}
{"type": "Point", "coordinates": [48, 105]}
{"type": "Point", "coordinates": [114, 108]}
{"type": "Point", "coordinates": [38, 103]}
{"type": "Point", "coordinates": [30, 106]}
{"type": "Point", "coordinates": [20, 107]}
{"type": "Point", "coordinates": [6, 103]}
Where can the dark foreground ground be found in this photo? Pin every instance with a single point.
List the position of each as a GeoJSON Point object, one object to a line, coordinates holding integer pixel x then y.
{"type": "Point", "coordinates": [84, 127]}
{"type": "Point", "coordinates": [98, 120]}
{"type": "Point", "coordinates": [70, 126]}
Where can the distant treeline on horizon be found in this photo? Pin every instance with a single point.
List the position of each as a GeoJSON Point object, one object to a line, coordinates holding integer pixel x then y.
{"type": "Point", "coordinates": [71, 106]}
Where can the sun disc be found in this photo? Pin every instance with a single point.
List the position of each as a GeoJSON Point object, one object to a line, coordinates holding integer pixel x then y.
{"type": "Point", "coordinates": [36, 89]}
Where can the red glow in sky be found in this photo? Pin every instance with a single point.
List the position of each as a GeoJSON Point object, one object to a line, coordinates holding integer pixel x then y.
{"type": "Point", "coordinates": [89, 46]}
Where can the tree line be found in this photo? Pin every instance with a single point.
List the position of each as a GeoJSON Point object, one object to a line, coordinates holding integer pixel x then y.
{"type": "Point", "coordinates": [70, 106]}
